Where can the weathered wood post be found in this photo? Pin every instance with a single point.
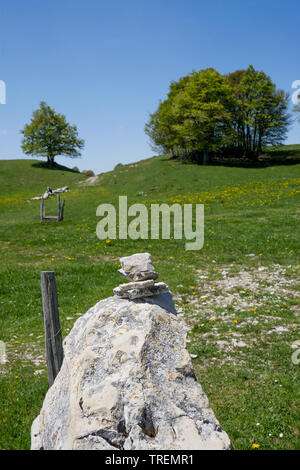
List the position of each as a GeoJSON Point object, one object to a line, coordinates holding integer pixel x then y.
{"type": "Point", "coordinates": [42, 210]}
{"type": "Point", "coordinates": [58, 205]}
{"type": "Point", "coordinates": [53, 336]}
{"type": "Point", "coordinates": [60, 208]}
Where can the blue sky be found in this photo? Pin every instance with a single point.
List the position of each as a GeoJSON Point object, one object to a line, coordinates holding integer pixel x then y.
{"type": "Point", "coordinates": [106, 65]}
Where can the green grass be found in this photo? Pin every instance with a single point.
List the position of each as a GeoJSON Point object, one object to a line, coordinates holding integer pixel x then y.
{"type": "Point", "coordinates": [247, 211]}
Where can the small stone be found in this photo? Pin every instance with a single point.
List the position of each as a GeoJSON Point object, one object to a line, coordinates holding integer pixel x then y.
{"type": "Point", "coordinates": [239, 344]}
{"type": "Point", "coordinates": [133, 285]}
{"type": "Point", "coordinates": [138, 267]}
{"type": "Point", "coordinates": [137, 292]}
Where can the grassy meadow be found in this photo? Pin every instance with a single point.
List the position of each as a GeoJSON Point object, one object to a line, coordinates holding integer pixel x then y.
{"type": "Point", "coordinates": [239, 295]}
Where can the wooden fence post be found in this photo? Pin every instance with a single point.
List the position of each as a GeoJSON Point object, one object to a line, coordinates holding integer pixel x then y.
{"type": "Point", "coordinates": [58, 205]}
{"type": "Point", "coordinates": [53, 336]}
{"type": "Point", "coordinates": [42, 210]}
{"type": "Point", "coordinates": [60, 208]}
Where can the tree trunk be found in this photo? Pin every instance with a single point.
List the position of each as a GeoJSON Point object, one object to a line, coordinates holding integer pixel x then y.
{"type": "Point", "coordinates": [50, 160]}
{"type": "Point", "coordinates": [254, 140]}
{"type": "Point", "coordinates": [205, 158]}
{"type": "Point", "coordinates": [259, 143]}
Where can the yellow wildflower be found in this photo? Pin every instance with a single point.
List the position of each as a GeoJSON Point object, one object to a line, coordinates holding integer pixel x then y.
{"type": "Point", "coordinates": [255, 446]}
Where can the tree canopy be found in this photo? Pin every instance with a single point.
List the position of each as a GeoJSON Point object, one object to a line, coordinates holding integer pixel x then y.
{"type": "Point", "coordinates": [208, 113]}
{"type": "Point", "coordinates": [49, 134]}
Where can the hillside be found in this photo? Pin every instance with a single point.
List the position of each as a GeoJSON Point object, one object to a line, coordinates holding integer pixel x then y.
{"type": "Point", "coordinates": [239, 295]}
{"type": "Point", "coordinates": [31, 177]}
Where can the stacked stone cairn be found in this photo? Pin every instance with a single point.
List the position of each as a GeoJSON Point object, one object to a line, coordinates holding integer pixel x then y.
{"type": "Point", "coordinates": [139, 269]}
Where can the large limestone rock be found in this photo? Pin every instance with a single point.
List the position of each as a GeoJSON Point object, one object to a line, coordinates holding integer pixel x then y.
{"type": "Point", "coordinates": [127, 382]}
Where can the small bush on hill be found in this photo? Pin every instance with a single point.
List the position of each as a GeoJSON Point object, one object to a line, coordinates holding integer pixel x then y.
{"type": "Point", "coordinates": [118, 166]}
{"type": "Point", "coordinates": [88, 173]}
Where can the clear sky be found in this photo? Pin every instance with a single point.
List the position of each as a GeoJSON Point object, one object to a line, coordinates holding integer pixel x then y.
{"type": "Point", "coordinates": [106, 64]}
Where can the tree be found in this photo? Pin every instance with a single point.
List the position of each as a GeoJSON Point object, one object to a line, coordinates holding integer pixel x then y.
{"type": "Point", "coordinates": [49, 135]}
{"type": "Point", "coordinates": [260, 115]}
{"type": "Point", "coordinates": [205, 108]}
{"type": "Point", "coordinates": [194, 120]}
{"type": "Point", "coordinates": [237, 113]}
{"type": "Point", "coordinates": [161, 127]}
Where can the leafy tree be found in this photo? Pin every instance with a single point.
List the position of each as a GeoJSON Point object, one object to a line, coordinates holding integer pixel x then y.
{"type": "Point", "coordinates": [259, 116]}
{"type": "Point", "coordinates": [195, 118]}
{"type": "Point", "coordinates": [48, 135]}
{"type": "Point", "coordinates": [237, 112]}
{"type": "Point", "coordinates": [161, 127]}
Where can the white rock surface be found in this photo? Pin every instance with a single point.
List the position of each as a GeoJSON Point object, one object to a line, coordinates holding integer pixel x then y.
{"type": "Point", "coordinates": [141, 289]}
{"type": "Point", "coordinates": [122, 288]}
{"type": "Point", "coordinates": [127, 382]}
{"type": "Point", "coordinates": [138, 267]}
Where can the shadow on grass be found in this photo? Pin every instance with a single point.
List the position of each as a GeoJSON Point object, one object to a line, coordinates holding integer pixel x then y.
{"type": "Point", "coordinates": [272, 157]}
{"type": "Point", "coordinates": [263, 161]}
{"type": "Point", "coordinates": [55, 166]}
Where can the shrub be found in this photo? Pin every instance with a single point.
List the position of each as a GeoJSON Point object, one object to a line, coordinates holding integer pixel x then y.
{"type": "Point", "coordinates": [118, 166]}
{"type": "Point", "coordinates": [88, 173]}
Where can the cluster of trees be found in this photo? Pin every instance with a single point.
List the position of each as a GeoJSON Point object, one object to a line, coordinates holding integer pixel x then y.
{"type": "Point", "coordinates": [207, 113]}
